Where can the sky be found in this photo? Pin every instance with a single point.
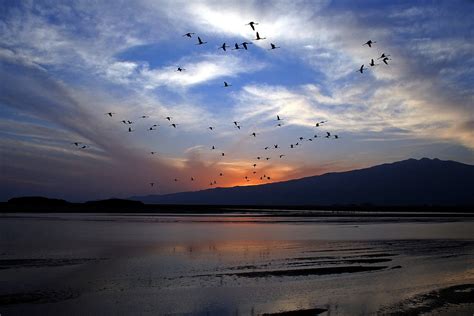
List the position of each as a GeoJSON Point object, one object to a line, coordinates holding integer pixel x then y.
{"type": "Point", "coordinates": [64, 64]}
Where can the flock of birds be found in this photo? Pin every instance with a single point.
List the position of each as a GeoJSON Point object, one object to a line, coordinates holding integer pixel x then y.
{"type": "Point", "coordinates": [383, 57]}
{"type": "Point", "coordinates": [279, 120]}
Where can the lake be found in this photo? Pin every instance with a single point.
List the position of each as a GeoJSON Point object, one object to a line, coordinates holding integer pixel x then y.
{"type": "Point", "coordinates": [234, 264]}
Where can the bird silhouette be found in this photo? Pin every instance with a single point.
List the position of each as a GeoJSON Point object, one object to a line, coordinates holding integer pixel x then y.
{"type": "Point", "coordinates": [130, 130]}
{"type": "Point", "coordinates": [236, 46]}
{"type": "Point", "coordinates": [253, 134]}
{"type": "Point", "coordinates": [189, 34]}
{"type": "Point", "coordinates": [369, 43]}
{"type": "Point", "coordinates": [77, 143]}
{"type": "Point", "coordinates": [372, 63]}
{"type": "Point", "coordinates": [180, 69]}
{"type": "Point", "coordinates": [254, 165]}
{"type": "Point", "coordinates": [110, 114]}
{"type": "Point", "coordinates": [153, 152]}
{"type": "Point", "coordinates": [200, 42]}
{"type": "Point", "coordinates": [328, 134]}
{"type": "Point", "coordinates": [221, 174]}
{"type": "Point", "coordinates": [266, 148]}
{"type": "Point", "coordinates": [278, 118]}
{"type": "Point", "coordinates": [281, 156]}
{"type": "Point", "coordinates": [258, 38]}
{"type": "Point", "coordinates": [144, 116]}
{"type": "Point", "coordinates": [223, 154]}
{"type": "Point", "coordinates": [361, 70]}
{"type": "Point", "coordinates": [383, 56]}
{"type": "Point", "coordinates": [236, 123]}
{"type": "Point", "coordinates": [84, 147]}
{"type": "Point", "coordinates": [244, 44]}
{"type": "Point", "coordinates": [227, 85]}
{"type": "Point", "coordinates": [275, 146]}
{"type": "Point", "coordinates": [213, 147]}
{"type": "Point", "coordinates": [168, 118]}
{"type": "Point", "coordinates": [336, 136]}
{"type": "Point", "coordinates": [252, 25]}
{"type": "Point", "coordinates": [224, 47]}
{"type": "Point", "coordinates": [272, 46]}
{"type": "Point", "coordinates": [192, 179]}
{"type": "Point", "coordinates": [174, 125]}
{"type": "Point", "coordinates": [385, 60]}
{"type": "Point", "coordinates": [152, 184]}
{"type": "Point", "coordinates": [211, 128]}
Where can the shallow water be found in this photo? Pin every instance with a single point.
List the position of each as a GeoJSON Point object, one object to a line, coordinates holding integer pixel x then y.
{"type": "Point", "coordinates": [226, 265]}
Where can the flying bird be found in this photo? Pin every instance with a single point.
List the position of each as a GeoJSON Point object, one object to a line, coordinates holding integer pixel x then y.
{"type": "Point", "coordinates": [130, 130]}
{"type": "Point", "coordinates": [152, 152]}
{"type": "Point", "coordinates": [223, 154]}
{"type": "Point", "coordinates": [144, 116]}
{"type": "Point", "coordinates": [328, 134]}
{"type": "Point", "coordinates": [180, 69]}
{"type": "Point", "coordinates": [213, 147]}
{"type": "Point", "coordinates": [152, 183]}
{"type": "Point", "coordinates": [211, 128]}
{"type": "Point", "coordinates": [76, 143]}
{"type": "Point", "coordinates": [244, 44]}
{"type": "Point", "coordinates": [189, 34]}
{"type": "Point", "coordinates": [273, 46]}
{"type": "Point", "coordinates": [224, 47]}
{"type": "Point", "coordinates": [252, 25]}
{"type": "Point", "coordinates": [383, 56]}
{"type": "Point", "coordinates": [361, 70]}
{"type": "Point", "coordinates": [200, 42]}
{"type": "Point", "coordinates": [369, 43]}
{"type": "Point", "coordinates": [174, 125]}
{"type": "Point", "coordinates": [282, 156]}
{"type": "Point", "coordinates": [278, 118]}
{"type": "Point", "coordinates": [110, 114]}
{"type": "Point", "coordinates": [168, 118]}
{"type": "Point", "coordinates": [253, 134]}
{"type": "Point", "coordinates": [258, 37]}
{"type": "Point", "coordinates": [227, 85]}
{"type": "Point", "coordinates": [372, 63]}
{"type": "Point", "coordinates": [236, 123]}
{"type": "Point", "coordinates": [275, 146]}
{"type": "Point", "coordinates": [236, 46]}
{"type": "Point", "coordinates": [385, 60]}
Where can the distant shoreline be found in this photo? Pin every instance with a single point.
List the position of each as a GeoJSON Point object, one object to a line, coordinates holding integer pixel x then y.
{"type": "Point", "coordinates": [118, 206]}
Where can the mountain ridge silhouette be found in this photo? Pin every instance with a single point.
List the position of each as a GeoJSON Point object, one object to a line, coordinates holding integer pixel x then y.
{"type": "Point", "coordinates": [407, 182]}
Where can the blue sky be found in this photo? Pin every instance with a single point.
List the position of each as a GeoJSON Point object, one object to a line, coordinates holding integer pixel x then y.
{"type": "Point", "coordinates": [66, 63]}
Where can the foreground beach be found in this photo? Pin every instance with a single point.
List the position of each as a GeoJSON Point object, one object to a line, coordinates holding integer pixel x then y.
{"type": "Point", "coordinates": [239, 264]}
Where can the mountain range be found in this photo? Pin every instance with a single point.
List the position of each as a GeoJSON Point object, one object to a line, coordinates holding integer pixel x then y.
{"type": "Point", "coordinates": [408, 182]}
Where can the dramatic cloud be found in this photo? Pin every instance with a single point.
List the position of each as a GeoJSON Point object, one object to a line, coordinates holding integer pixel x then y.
{"type": "Point", "coordinates": [64, 65]}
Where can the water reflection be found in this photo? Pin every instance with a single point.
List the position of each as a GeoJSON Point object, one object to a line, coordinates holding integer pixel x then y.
{"type": "Point", "coordinates": [94, 265]}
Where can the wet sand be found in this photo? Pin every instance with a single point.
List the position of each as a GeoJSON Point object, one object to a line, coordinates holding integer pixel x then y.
{"type": "Point", "coordinates": [86, 265]}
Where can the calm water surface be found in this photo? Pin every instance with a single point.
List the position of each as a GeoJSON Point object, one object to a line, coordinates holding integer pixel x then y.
{"type": "Point", "coordinates": [225, 265]}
